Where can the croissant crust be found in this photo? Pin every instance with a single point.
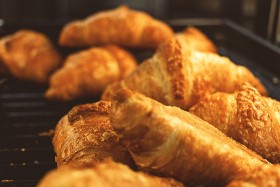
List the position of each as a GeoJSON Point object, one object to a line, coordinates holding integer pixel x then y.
{"type": "Point", "coordinates": [85, 135]}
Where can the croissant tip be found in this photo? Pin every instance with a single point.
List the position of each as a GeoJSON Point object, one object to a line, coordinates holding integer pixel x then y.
{"type": "Point", "coordinates": [71, 35]}
{"type": "Point", "coordinates": [48, 94]}
{"type": "Point", "coordinates": [123, 7]}
{"type": "Point", "coordinates": [254, 88]}
{"type": "Point", "coordinates": [122, 95]}
{"type": "Point", "coordinates": [100, 107]}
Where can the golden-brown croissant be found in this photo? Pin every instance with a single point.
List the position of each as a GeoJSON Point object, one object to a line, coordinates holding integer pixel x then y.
{"type": "Point", "coordinates": [193, 38]}
{"type": "Point", "coordinates": [179, 77]}
{"type": "Point", "coordinates": [171, 142]}
{"type": "Point", "coordinates": [28, 55]}
{"type": "Point", "coordinates": [104, 174]}
{"type": "Point", "coordinates": [265, 176]}
{"type": "Point", "coordinates": [88, 72]}
{"type": "Point", "coordinates": [121, 26]}
{"type": "Point", "coordinates": [245, 116]}
{"type": "Point", "coordinates": [85, 135]}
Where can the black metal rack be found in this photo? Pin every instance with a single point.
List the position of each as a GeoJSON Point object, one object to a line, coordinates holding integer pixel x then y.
{"type": "Point", "coordinates": [27, 121]}
{"type": "Point", "coordinates": [26, 151]}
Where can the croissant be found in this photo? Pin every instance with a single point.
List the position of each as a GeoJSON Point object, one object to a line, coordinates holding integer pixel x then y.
{"type": "Point", "coordinates": [122, 26]}
{"type": "Point", "coordinates": [88, 72]}
{"type": "Point", "coordinates": [193, 38]}
{"type": "Point", "coordinates": [245, 116]}
{"type": "Point", "coordinates": [85, 135]}
{"type": "Point", "coordinates": [28, 55]}
{"type": "Point", "coordinates": [265, 176]}
{"type": "Point", "coordinates": [104, 174]}
{"type": "Point", "coordinates": [180, 77]}
{"type": "Point", "coordinates": [171, 142]}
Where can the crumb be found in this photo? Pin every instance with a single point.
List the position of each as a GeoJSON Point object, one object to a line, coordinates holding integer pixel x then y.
{"type": "Point", "coordinates": [47, 133]}
{"type": "Point", "coordinates": [7, 180]}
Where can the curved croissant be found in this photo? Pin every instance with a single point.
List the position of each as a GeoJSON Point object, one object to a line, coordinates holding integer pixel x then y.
{"type": "Point", "coordinates": [171, 142]}
{"type": "Point", "coordinates": [28, 55]}
{"type": "Point", "coordinates": [193, 38]}
{"type": "Point", "coordinates": [104, 174]}
{"type": "Point", "coordinates": [245, 116]}
{"type": "Point", "coordinates": [179, 77]}
{"type": "Point", "coordinates": [85, 135]}
{"type": "Point", "coordinates": [88, 72]}
{"type": "Point", "coordinates": [265, 176]}
{"type": "Point", "coordinates": [121, 26]}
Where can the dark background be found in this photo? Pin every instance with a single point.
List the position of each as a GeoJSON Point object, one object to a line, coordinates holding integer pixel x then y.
{"type": "Point", "coordinates": [259, 16]}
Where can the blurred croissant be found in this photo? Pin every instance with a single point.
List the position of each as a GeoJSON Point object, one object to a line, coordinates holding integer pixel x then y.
{"type": "Point", "coordinates": [245, 116]}
{"type": "Point", "coordinates": [265, 176]}
{"type": "Point", "coordinates": [170, 142]}
{"type": "Point", "coordinates": [85, 135]}
{"type": "Point", "coordinates": [179, 77]}
{"type": "Point", "coordinates": [121, 26]}
{"type": "Point", "coordinates": [28, 55]}
{"type": "Point", "coordinates": [104, 174]}
{"type": "Point", "coordinates": [193, 38]}
{"type": "Point", "coordinates": [88, 72]}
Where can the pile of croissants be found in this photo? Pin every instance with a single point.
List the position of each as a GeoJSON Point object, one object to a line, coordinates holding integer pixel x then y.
{"type": "Point", "coordinates": [186, 116]}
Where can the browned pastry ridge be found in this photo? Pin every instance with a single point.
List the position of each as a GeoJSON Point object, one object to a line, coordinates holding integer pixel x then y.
{"type": "Point", "coordinates": [179, 77]}
{"type": "Point", "coordinates": [193, 38]}
{"type": "Point", "coordinates": [265, 176]}
{"type": "Point", "coordinates": [28, 55]}
{"type": "Point", "coordinates": [171, 142]}
{"type": "Point", "coordinates": [85, 135]}
{"type": "Point", "coordinates": [88, 72]}
{"type": "Point", "coordinates": [104, 174]}
{"type": "Point", "coordinates": [245, 116]}
{"type": "Point", "coordinates": [121, 26]}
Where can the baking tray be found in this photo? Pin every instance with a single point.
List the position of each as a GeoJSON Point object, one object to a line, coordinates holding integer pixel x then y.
{"type": "Point", "coordinates": [26, 119]}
